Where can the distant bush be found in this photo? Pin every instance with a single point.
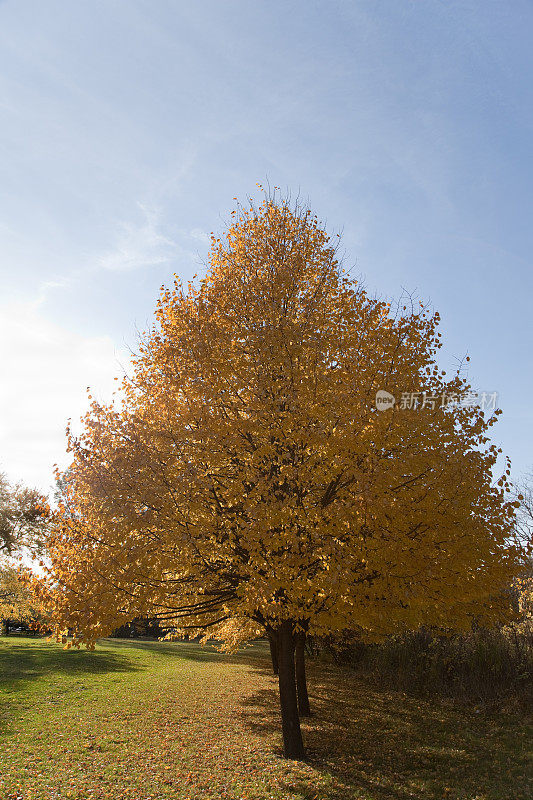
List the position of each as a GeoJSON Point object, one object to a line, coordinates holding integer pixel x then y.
{"type": "Point", "coordinates": [482, 665]}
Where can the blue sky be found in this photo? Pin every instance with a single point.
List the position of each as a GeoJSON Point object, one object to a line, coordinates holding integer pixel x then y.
{"type": "Point", "coordinates": [127, 127]}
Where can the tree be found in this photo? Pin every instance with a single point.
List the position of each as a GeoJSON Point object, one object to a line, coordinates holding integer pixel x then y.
{"type": "Point", "coordinates": [17, 601]}
{"type": "Point", "coordinates": [524, 519]}
{"type": "Point", "coordinates": [247, 472]}
{"type": "Point", "coordinates": [523, 585]}
{"type": "Point", "coordinates": [23, 518]}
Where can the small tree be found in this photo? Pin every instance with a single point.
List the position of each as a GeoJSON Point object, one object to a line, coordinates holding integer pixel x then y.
{"type": "Point", "coordinates": [17, 601]}
{"type": "Point", "coordinates": [24, 515]}
{"type": "Point", "coordinates": [23, 519]}
{"type": "Point", "coordinates": [247, 473]}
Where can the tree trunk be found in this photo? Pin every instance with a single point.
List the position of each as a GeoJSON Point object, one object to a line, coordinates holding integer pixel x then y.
{"type": "Point", "coordinates": [5, 627]}
{"type": "Point", "coordinates": [273, 642]}
{"type": "Point", "coordinates": [301, 678]}
{"type": "Point", "coordinates": [293, 746]}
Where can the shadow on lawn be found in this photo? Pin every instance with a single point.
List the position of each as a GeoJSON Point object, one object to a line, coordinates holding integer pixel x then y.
{"type": "Point", "coordinates": [387, 746]}
{"type": "Point", "coordinates": [24, 662]}
{"type": "Point", "coordinates": [255, 655]}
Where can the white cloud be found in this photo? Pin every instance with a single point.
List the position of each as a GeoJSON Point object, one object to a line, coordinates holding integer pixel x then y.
{"type": "Point", "coordinates": [200, 235]}
{"type": "Point", "coordinates": [45, 372]}
{"type": "Point", "coordinates": [139, 246]}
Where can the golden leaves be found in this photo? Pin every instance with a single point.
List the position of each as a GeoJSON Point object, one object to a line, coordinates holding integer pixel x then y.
{"type": "Point", "coordinates": [248, 458]}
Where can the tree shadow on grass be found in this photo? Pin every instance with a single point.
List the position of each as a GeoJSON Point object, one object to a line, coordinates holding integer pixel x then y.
{"type": "Point", "coordinates": [254, 655]}
{"type": "Point", "coordinates": [383, 745]}
{"type": "Point", "coordinates": [22, 661]}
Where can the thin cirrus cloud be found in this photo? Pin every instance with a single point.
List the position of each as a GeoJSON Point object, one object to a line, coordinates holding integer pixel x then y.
{"type": "Point", "coordinates": [139, 246]}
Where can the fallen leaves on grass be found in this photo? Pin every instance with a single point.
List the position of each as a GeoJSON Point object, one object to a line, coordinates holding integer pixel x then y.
{"type": "Point", "coordinates": [175, 722]}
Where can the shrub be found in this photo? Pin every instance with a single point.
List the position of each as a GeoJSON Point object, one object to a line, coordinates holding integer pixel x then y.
{"type": "Point", "coordinates": [482, 665]}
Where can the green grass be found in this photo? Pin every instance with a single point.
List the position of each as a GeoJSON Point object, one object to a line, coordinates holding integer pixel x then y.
{"type": "Point", "coordinates": [154, 721]}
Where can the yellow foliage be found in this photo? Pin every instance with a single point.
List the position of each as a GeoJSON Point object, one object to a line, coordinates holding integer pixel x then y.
{"type": "Point", "coordinates": [247, 474]}
{"type": "Point", "coordinates": [17, 602]}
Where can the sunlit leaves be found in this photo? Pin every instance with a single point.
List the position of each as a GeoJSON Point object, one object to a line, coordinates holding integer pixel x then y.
{"type": "Point", "coordinates": [247, 475]}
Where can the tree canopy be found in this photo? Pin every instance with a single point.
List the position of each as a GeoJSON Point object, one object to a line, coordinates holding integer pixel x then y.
{"type": "Point", "coordinates": [245, 472]}
{"type": "Point", "coordinates": [23, 519]}
{"type": "Point", "coordinates": [17, 601]}
{"type": "Point", "coordinates": [24, 515]}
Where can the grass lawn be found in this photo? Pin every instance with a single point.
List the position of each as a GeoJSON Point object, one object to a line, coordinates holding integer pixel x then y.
{"type": "Point", "coordinates": [152, 721]}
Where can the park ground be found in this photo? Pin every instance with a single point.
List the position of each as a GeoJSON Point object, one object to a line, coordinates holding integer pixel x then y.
{"type": "Point", "coordinates": [153, 721]}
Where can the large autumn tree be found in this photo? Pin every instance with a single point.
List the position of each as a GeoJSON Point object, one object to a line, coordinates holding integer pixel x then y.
{"type": "Point", "coordinates": [245, 476]}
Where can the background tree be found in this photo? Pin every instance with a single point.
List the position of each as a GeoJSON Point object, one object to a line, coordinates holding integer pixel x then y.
{"type": "Point", "coordinates": [23, 519]}
{"type": "Point", "coordinates": [17, 601]}
{"type": "Point", "coordinates": [24, 515]}
{"type": "Point", "coordinates": [247, 473]}
{"type": "Point", "coordinates": [524, 531]}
